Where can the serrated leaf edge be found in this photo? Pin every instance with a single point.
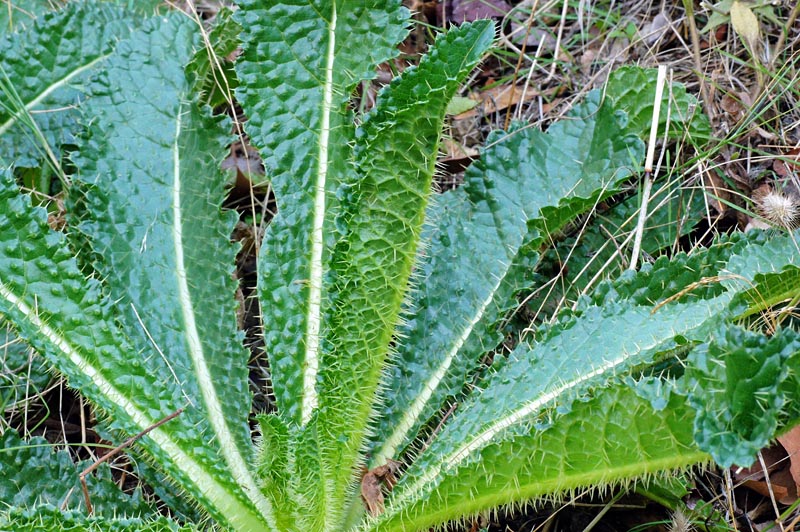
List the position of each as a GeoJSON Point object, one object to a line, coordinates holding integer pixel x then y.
{"type": "Point", "coordinates": [518, 415]}
{"type": "Point", "coordinates": [389, 447]}
{"type": "Point", "coordinates": [206, 484]}
{"type": "Point", "coordinates": [230, 450]}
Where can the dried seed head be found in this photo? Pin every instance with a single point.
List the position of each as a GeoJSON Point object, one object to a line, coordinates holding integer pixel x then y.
{"type": "Point", "coordinates": [680, 522]}
{"type": "Point", "coordinates": [782, 210]}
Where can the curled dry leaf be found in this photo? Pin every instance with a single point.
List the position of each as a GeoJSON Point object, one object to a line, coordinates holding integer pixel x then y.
{"type": "Point", "coordinates": [791, 443]}
{"type": "Point", "coordinates": [735, 104]}
{"type": "Point", "coordinates": [780, 481]}
{"type": "Point", "coordinates": [372, 482]}
{"type": "Point", "coordinates": [783, 467]}
{"type": "Point", "coordinates": [786, 168]}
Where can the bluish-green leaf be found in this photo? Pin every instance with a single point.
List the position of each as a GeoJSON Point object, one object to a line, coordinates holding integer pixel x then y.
{"type": "Point", "coordinates": [771, 289]}
{"type": "Point", "coordinates": [65, 317]}
{"type": "Point", "coordinates": [51, 519]}
{"type": "Point", "coordinates": [743, 386]}
{"type": "Point", "coordinates": [478, 253]}
{"type": "Point", "coordinates": [595, 251]}
{"type": "Point", "coordinates": [43, 70]}
{"type": "Point", "coordinates": [22, 371]}
{"type": "Point", "coordinates": [301, 61]}
{"type": "Point", "coordinates": [537, 381]}
{"type": "Point", "coordinates": [216, 78]}
{"type": "Point", "coordinates": [766, 252]}
{"type": "Point", "coordinates": [537, 384]}
{"type": "Point", "coordinates": [34, 473]}
{"type": "Point", "coordinates": [152, 190]}
{"type": "Point", "coordinates": [633, 89]}
{"type": "Point", "coordinates": [396, 149]}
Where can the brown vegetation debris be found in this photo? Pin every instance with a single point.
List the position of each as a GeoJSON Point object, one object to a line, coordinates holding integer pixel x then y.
{"type": "Point", "coordinates": [372, 485]}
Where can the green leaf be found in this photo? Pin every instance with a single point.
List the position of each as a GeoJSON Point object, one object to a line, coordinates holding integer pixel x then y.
{"type": "Point", "coordinates": [215, 75]}
{"type": "Point", "coordinates": [22, 371]}
{"type": "Point", "coordinates": [633, 89]}
{"type": "Point", "coordinates": [743, 385]}
{"type": "Point", "coordinates": [771, 289]}
{"type": "Point", "coordinates": [152, 191]}
{"type": "Point", "coordinates": [49, 518]}
{"type": "Point", "coordinates": [396, 149]}
{"type": "Point", "coordinates": [561, 174]}
{"type": "Point", "coordinates": [42, 72]}
{"type": "Point", "coordinates": [63, 315]}
{"type": "Point", "coordinates": [536, 380]}
{"type": "Point", "coordinates": [615, 435]}
{"type": "Point", "coordinates": [34, 474]}
{"type": "Point", "coordinates": [682, 277]}
{"type": "Point", "coordinates": [459, 105]}
{"type": "Point", "coordinates": [301, 60]}
{"type": "Point", "coordinates": [538, 383]}
{"type": "Point", "coordinates": [766, 252]}
{"type": "Point", "coordinates": [525, 176]}
{"type": "Point", "coordinates": [595, 251]}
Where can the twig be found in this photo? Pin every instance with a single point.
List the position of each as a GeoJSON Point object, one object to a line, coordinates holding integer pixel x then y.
{"type": "Point", "coordinates": [648, 167]}
{"type": "Point", "coordinates": [115, 451]}
{"type": "Point", "coordinates": [782, 37]}
{"type": "Point", "coordinates": [528, 27]}
{"type": "Point", "coordinates": [771, 492]}
{"type": "Point", "coordinates": [688, 7]}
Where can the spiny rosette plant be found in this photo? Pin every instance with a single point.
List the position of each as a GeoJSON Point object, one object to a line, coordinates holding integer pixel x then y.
{"type": "Point", "coordinates": [380, 300]}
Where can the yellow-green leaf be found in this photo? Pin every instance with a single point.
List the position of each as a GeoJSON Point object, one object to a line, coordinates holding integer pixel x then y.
{"type": "Point", "coordinates": [745, 23]}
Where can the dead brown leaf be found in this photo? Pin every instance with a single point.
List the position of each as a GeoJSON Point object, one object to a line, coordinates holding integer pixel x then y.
{"type": "Point", "coordinates": [498, 98]}
{"type": "Point", "coordinates": [372, 483]}
{"type": "Point", "coordinates": [784, 168]}
{"type": "Point", "coordinates": [791, 443]}
{"type": "Point", "coordinates": [783, 467]}
{"type": "Point", "coordinates": [735, 104]}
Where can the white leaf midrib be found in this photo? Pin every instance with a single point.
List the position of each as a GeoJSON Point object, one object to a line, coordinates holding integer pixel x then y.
{"type": "Point", "coordinates": [230, 450]}
{"type": "Point", "coordinates": [310, 398]}
{"type": "Point", "coordinates": [206, 484]}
